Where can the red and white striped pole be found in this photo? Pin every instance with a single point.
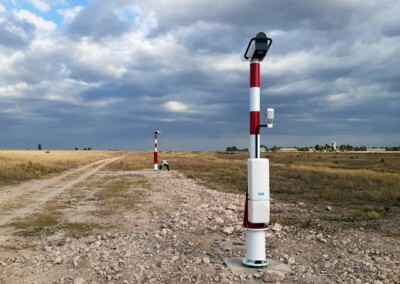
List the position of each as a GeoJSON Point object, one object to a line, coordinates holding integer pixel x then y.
{"type": "Point", "coordinates": [254, 106]}
{"type": "Point", "coordinates": [156, 150]}
{"type": "Point", "coordinates": [256, 213]}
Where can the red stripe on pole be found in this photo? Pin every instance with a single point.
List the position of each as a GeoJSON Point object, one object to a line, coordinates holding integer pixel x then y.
{"type": "Point", "coordinates": [254, 122]}
{"type": "Point", "coordinates": [254, 75]}
{"type": "Point", "coordinates": [155, 158]}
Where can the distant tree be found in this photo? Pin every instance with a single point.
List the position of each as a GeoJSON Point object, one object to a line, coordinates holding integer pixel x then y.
{"type": "Point", "coordinates": [232, 149]}
{"type": "Point", "coordinates": [89, 149]}
{"type": "Point", "coordinates": [84, 149]}
{"type": "Point", "coordinates": [317, 147]}
{"type": "Point", "coordinates": [274, 149]}
{"type": "Point", "coordinates": [362, 148]}
{"type": "Point", "coordinates": [39, 147]}
{"type": "Point", "coordinates": [395, 148]}
{"type": "Point", "coordinates": [76, 149]}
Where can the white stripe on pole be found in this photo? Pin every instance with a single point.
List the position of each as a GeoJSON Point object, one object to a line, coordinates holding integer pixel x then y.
{"type": "Point", "coordinates": [255, 99]}
{"type": "Point", "coordinates": [252, 148]}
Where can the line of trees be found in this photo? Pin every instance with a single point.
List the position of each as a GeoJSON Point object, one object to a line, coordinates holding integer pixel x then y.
{"type": "Point", "coordinates": [39, 147]}
{"type": "Point", "coordinates": [235, 149]}
{"type": "Point", "coordinates": [395, 148]}
{"type": "Point", "coordinates": [317, 148]}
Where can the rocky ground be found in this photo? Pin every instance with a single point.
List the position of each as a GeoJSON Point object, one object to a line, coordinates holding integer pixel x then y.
{"type": "Point", "coordinates": [178, 236]}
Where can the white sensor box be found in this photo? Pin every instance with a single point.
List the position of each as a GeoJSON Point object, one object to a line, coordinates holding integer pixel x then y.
{"type": "Point", "coordinates": [258, 191]}
{"type": "Point", "coordinates": [258, 211]}
{"type": "Point", "coordinates": [258, 179]}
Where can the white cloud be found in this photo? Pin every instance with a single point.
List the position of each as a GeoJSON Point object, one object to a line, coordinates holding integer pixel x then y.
{"type": "Point", "coordinates": [175, 106]}
{"type": "Point", "coordinates": [66, 91]}
{"type": "Point", "coordinates": [8, 70]}
{"type": "Point", "coordinates": [69, 14]}
{"type": "Point", "coordinates": [40, 5]}
{"type": "Point", "coordinates": [144, 19]}
{"type": "Point", "coordinates": [38, 22]}
{"type": "Point", "coordinates": [106, 59]}
{"type": "Point", "coordinates": [357, 95]}
{"type": "Point", "coordinates": [13, 91]}
{"type": "Point", "coordinates": [309, 85]}
{"type": "Point", "coordinates": [2, 8]}
{"type": "Point", "coordinates": [337, 98]}
{"type": "Point", "coordinates": [285, 64]}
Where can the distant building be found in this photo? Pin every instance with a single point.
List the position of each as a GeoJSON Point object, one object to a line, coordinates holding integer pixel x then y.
{"type": "Point", "coordinates": [285, 150]}
{"type": "Point", "coordinates": [333, 146]}
{"type": "Point", "coordinates": [373, 150]}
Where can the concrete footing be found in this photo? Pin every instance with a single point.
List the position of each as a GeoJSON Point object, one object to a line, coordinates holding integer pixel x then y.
{"type": "Point", "coordinates": [237, 267]}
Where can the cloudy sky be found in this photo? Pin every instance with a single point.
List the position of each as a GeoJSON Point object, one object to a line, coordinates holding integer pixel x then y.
{"type": "Point", "coordinates": [106, 74]}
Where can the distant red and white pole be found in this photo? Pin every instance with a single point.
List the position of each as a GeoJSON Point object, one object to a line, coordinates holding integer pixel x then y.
{"type": "Point", "coordinates": [156, 150]}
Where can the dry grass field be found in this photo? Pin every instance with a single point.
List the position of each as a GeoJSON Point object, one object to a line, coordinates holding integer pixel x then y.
{"type": "Point", "coordinates": [363, 186]}
{"type": "Point", "coordinates": [18, 166]}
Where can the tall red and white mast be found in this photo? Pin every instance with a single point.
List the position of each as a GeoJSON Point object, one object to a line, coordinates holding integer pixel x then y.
{"type": "Point", "coordinates": [257, 206]}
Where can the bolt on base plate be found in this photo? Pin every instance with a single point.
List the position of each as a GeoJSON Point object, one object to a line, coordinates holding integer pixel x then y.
{"type": "Point", "coordinates": [255, 263]}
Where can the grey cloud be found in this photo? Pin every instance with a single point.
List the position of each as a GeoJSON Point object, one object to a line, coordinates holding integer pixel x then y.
{"type": "Point", "coordinates": [284, 15]}
{"type": "Point", "coordinates": [97, 21]}
{"type": "Point", "coordinates": [15, 34]}
{"type": "Point", "coordinates": [393, 31]}
{"type": "Point", "coordinates": [204, 36]}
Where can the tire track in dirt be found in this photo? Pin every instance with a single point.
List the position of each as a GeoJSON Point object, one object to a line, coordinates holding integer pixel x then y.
{"type": "Point", "coordinates": [14, 192]}
{"type": "Point", "coordinates": [42, 191]}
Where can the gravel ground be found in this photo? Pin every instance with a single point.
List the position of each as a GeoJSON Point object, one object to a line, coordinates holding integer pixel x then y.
{"type": "Point", "coordinates": [176, 237]}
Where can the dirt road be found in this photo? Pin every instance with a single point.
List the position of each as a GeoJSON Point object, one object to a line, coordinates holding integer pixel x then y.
{"type": "Point", "coordinates": [178, 231]}
{"type": "Point", "coordinates": [26, 199]}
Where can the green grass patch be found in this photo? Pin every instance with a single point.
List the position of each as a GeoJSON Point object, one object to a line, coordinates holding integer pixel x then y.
{"type": "Point", "coordinates": [79, 228]}
{"type": "Point", "coordinates": [120, 195]}
{"type": "Point", "coordinates": [370, 213]}
{"type": "Point", "coordinates": [48, 223]}
{"type": "Point", "coordinates": [41, 223]}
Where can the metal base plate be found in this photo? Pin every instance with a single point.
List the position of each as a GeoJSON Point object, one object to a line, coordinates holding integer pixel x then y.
{"type": "Point", "coordinates": [235, 264]}
{"type": "Point", "coordinates": [254, 263]}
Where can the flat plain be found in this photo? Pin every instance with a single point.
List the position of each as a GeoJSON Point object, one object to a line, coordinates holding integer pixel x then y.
{"type": "Point", "coordinates": [107, 217]}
